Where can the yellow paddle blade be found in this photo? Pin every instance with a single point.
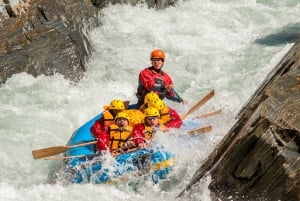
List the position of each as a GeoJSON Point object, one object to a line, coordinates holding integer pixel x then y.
{"type": "Point", "coordinates": [49, 151]}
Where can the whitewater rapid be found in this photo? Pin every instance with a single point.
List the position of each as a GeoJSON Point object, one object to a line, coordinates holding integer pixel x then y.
{"type": "Point", "coordinates": [209, 45]}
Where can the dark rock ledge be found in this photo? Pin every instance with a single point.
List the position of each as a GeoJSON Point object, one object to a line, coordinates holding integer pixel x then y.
{"type": "Point", "coordinates": [51, 36]}
{"type": "Point", "coordinates": [259, 158]}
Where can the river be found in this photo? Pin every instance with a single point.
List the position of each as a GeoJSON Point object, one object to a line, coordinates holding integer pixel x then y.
{"type": "Point", "coordinates": [229, 46]}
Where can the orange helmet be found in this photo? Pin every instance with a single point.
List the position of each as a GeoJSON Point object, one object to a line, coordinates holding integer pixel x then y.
{"type": "Point", "coordinates": [157, 54]}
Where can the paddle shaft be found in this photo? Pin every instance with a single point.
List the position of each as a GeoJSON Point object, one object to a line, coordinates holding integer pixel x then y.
{"type": "Point", "coordinates": [179, 97]}
{"type": "Point", "coordinates": [51, 151]}
{"type": "Point", "coordinates": [208, 114]}
{"type": "Point", "coordinates": [114, 154]}
{"type": "Point", "coordinates": [199, 103]}
{"type": "Point", "coordinates": [201, 130]}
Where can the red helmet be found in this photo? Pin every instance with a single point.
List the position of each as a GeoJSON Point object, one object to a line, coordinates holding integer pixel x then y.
{"type": "Point", "coordinates": [158, 54]}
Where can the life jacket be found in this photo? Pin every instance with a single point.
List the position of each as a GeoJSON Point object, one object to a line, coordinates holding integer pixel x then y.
{"type": "Point", "coordinates": [118, 137]}
{"type": "Point", "coordinates": [165, 116]}
{"type": "Point", "coordinates": [108, 118]}
{"type": "Point", "coordinates": [149, 132]}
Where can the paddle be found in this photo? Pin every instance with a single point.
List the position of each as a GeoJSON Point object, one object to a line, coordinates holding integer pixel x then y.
{"type": "Point", "coordinates": [201, 130]}
{"type": "Point", "coordinates": [114, 154]}
{"type": "Point", "coordinates": [208, 114]}
{"type": "Point", "coordinates": [51, 151]}
{"type": "Point", "coordinates": [179, 97]}
{"type": "Point", "coordinates": [199, 103]}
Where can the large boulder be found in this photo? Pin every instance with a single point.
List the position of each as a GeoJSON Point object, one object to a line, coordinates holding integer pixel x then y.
{"type": "Point", "coordinates": [47, 37]}
{"type": "Point", "coordinates": [51, 36]}
{"type": "Point", "coordinates": [258, 159]}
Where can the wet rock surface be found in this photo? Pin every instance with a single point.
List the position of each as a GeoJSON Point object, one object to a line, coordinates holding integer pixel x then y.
{"type": "Point", "coordinates": [47, 37]}
{"type": "Point", "coordinates": [259, 158]}
{"type": "Point", "coordinates": [51, 36]}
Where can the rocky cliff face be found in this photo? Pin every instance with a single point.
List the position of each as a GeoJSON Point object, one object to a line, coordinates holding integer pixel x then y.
{"type": "Point", "coordinates": [259, 157]}
{"type": "Point", "coordinates": [51, 36]}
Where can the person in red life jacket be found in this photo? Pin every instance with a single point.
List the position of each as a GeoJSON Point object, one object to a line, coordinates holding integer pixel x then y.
{"type": "Point", "coordinates": [116, 136]}
{"type": "Point", "coordinates": [153, 78]}
{"type": "Point", "coordinates": [144, 132]}
{"type": "Point", "coordinates": [108, 117]}
{"type": "Point", "coordinates": [168, 116]}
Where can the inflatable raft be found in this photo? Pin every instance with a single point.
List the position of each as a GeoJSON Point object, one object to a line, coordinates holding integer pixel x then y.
{"type": "Point", "coordinates": [84, 166]}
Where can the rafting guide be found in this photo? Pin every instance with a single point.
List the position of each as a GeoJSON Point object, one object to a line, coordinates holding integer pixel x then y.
{"type": "Point", "coordinates": [153, 78]}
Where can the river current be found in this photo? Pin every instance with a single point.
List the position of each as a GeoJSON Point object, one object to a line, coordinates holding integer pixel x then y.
{"type": "Point", "coordinates": [229, 46]}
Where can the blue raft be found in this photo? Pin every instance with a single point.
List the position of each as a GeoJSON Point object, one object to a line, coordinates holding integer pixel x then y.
{"type": "Point", "coordinates": [84, 166]}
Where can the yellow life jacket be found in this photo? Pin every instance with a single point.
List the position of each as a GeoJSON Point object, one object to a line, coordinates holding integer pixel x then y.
{"type": "Point", "coordinates": [108, 118]}
{"type": "Point", "coordinates": [165, 116]}
{"type": "Point", "coordinates": [118, 137]}
{"type": "Point", "coordinates": [149, 132]}
{"type": "Point", "coordinates": [136, 117]}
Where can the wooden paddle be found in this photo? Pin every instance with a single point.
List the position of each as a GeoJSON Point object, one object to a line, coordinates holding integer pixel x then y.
{"type": "Point", "coordinates": [201, 130]}
{"type": "Point", "coordinates": [199, 103]}
{"type": "Point", "coordinates": [209, 114]}
{"type": "Point", "coordinates": [51, 151]}
{"type": "Point", "coordinates": [114, 154]}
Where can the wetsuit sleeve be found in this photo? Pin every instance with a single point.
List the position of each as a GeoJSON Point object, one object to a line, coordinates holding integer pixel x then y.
{"type": "Point", "coordinates": [103, 140]}
{"type": "Point", "coordinates": [138, 134]}
{"type": "Point", "coordinates": [146, 79]}
{"type": "Point", "coordinates": [96, 128]}
{"type": "Point", "coordinates": [175, 121]}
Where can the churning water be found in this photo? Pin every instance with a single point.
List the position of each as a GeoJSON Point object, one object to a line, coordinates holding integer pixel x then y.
{"type": "Point", "coordinates": [229, 46]}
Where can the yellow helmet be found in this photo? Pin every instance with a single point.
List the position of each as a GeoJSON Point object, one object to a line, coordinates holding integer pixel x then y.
{"type": "Point", "coordinates": [150, 96]}
{"type": "Point", "coordinates": [122, 115]}
{"type": "Point", "coordinates": [156, 103]}
{"type": "Point", "coordinates": [136, 116]}
{"type": "Point", "coordinates": [117, 105]}
{"type": "Point", "coordinates": [151, 112]}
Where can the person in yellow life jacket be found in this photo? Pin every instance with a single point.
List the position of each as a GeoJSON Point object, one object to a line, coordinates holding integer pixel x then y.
{"type": "Point", "coordinates": [116, 136]}
{"type": "Point", "coordinates": [168, 116]}
{"type": "Point", "coordinates": [108, 117]}
{"type": "Point", "coordinates": [144, 132]}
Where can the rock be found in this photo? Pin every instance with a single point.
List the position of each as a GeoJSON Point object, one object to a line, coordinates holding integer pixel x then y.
{"type": "Point", "coordinates": [51, 36]}
{"type": "Point", "coordinates": [258, 159]}
{"type": "Point", "coordinates": [47, 37]}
